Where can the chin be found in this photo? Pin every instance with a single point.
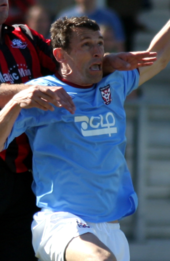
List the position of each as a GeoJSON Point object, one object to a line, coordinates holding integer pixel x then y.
{"type": "Point", "coordinates": [92, 79]}
{"type": "Point", "coordinates": [97, 79]}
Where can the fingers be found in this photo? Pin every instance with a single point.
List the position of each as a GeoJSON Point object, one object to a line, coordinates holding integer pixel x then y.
{"type": "Point", "coordinates": [146, 61]}
{"type": "Point", "coordinates": [43, 97]}
{"type": "Point", "coordinates": [64, 100]}
{"type": "Point", "coordinates": [144, 64]}
{"type": "Point", "coordinates": [144, 54]}
{"type": "Point", "coordinates": [151, 59]}
{"type": "Point", "coordinates": [144, 57]}
{"type": "Point", "coordinates": [36, 96]}
{"type": "Point", "coordinates": [140, 59]}
{"type": "Point", "coordinates": [54, 95]}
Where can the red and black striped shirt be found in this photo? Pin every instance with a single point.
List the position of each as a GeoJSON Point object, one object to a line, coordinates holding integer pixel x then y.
{"type": "Point", "coordinates": [24, 55]}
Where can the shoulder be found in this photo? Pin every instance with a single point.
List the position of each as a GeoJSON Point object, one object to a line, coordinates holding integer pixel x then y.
{"type": "Point", "coordinates": [23, 28]}
{"type": "Point", "coordinates": [123, 74]}
{"type": "Point", "coordinates": [49, 80]}
{"type": "Point", "coordinates": [32, 34]}
{"type": "Point", "coordinates": [121, 78]}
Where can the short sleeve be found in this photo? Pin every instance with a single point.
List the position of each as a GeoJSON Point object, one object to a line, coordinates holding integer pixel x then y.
{"type": "Point", "coordinates": [21, 124]}
{"type": "Point", "coordinates": [42, 81]}
{"type": "Point", "coordinates": [122, 82]}
{"type": "Point", "coordinates": [131, 81]}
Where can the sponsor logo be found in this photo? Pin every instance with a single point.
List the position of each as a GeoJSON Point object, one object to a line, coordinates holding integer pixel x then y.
{"type": "Point", "coordinates": [97, 125]}
{"type": "Point", "coordinates": [17, 43]}
{"type": "Point", "coordinates": [14, 73]}
{"type": "Point", "coordinates": [106, 94]}
{"type": "Point", "coordinates": [82, 225]}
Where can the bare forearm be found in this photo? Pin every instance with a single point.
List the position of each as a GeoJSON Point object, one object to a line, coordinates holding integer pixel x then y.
{"type": "Point", "coordinates": [160, 44]}
{"type": "Point", "coordinates": [162, 39]}
{"type": "Point", "coordinates": [7, 91]}
{"type": "Point", "coordinates": [8, 116]}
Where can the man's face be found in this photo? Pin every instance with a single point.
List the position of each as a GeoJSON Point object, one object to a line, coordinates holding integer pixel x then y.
{"type": "Point", "coordinates": [4, 6]}
{"type": "Point", "coordinates": [85, 56]}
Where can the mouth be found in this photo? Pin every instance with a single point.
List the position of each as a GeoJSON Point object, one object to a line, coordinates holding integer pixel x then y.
{"type": "Point", "coordinates": [96, 67]}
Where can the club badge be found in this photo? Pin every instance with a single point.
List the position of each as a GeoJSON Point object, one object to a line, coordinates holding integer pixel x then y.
{"type": "Point", "coordinates": [106, 94]}
{"type": "Point", "coordinates": [82, 225]}
{"type": "Point", "coordinates": [17, 43]}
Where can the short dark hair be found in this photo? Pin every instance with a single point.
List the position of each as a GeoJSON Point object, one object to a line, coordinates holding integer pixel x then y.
{"type": "Point", "coordinates": [61, 30]}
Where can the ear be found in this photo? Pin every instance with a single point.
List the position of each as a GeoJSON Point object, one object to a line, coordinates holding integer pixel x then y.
{"type": "Point", "coordinates": [58, 54]}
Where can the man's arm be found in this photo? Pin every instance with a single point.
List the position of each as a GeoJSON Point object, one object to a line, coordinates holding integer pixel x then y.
{"type": "Point", "coordinates": [160, 44]}
{"type": "Point", "coordinates": [7, 91]}
{"type": "Point", "coordinates": [41, 97]}
{"type": "Point", "coordinates": [8, 116]}
{"type": "Point", "coordinates": [38, 96]}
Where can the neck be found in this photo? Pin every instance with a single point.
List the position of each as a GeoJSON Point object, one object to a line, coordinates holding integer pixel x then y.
{"type": "Point", "coordinates": [66, 75]}
{"type": "Point", "coordinates": [71, 83]}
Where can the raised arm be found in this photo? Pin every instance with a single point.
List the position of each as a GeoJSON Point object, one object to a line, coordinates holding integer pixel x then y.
{"type": "Point", "coordinates": [161, 45]}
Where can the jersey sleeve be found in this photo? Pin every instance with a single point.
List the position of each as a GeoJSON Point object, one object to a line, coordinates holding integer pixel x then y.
{"type": "Point", "coordinates": [22, 123]}
{"type": "Point", "coordinates": [131, 81]}
{"type": "Point", "coordinates": [41, 81]}
{"type": "Point", "coordinates": [28, 121]}
{"type": "Point", "coordinates": [123, 82]}
{"type": "Point", "coordinates": [44, 50]}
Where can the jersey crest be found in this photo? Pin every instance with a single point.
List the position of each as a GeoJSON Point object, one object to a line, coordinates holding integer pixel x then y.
{"type": "Point", "coordinates": [17, 43]}
{"type": "Point", "coordinates": [82, 225]}
{"type": "Point", "coordinates": [106, 94]}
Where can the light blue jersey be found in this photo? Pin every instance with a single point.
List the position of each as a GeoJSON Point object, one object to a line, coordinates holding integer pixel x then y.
{"type": "Point", "coordinates": [78, 160]}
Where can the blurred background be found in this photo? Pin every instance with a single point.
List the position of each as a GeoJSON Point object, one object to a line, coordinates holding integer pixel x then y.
{"type": "Point", "coordinates": [129, 25]}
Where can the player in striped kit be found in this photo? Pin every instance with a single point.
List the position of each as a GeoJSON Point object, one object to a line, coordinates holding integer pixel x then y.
{"type": "Point", "coordinates": [24, 55]}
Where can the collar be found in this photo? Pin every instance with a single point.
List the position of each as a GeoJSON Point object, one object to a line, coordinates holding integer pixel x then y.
{"type": "Point", "coordinates": [6, 28]}
{"type": "Point", "coordinates": [70, 83]}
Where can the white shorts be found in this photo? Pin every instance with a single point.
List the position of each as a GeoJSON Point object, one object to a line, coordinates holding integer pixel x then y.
{"type": "Point", "coordinates": [52, 231]}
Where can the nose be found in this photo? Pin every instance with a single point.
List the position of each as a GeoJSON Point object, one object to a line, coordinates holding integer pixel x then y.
{"type": "Point", "coordinates": [98, 51]}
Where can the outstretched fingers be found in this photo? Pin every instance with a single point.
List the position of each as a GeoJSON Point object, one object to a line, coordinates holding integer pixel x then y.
{"type": "Point", "coordinates": [144, 58]}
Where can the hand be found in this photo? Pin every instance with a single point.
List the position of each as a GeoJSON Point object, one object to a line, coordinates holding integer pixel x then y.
{"type": "Point", "coordinates": [41, 97]}
{"type": "Point", "coordinates": [128, 61]}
